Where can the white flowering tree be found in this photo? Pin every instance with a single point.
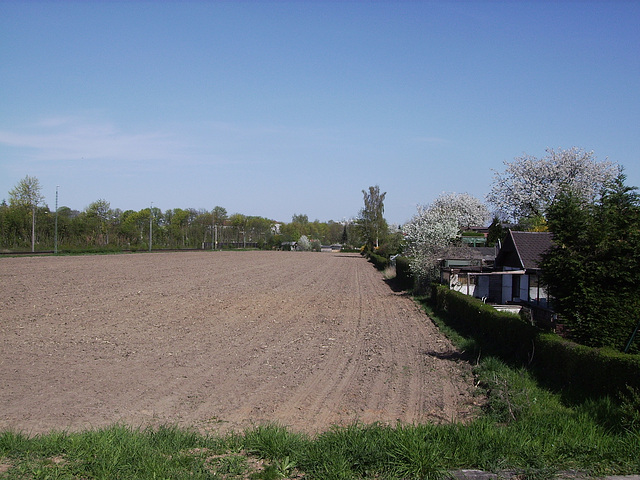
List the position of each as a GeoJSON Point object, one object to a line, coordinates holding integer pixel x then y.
{"type": "Point", "coordinates": [436, 227]}
{"type": "Point", "coordinates": [304, 244]}
{"type": "Point", "coordinates": [529, 185]}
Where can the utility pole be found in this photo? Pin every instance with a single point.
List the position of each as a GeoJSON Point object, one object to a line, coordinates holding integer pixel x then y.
{"type": "Point", "coordinates": [150, 225]}
{"type": "Point", "coordinates": [55, 235]}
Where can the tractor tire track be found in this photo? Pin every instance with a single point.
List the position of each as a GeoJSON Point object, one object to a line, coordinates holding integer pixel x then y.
{"type": "Point", "coordinates": [218, 341]}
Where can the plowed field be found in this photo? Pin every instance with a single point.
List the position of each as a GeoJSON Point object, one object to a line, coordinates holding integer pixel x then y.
{"type": "Point", "coordinates": [217, 341]}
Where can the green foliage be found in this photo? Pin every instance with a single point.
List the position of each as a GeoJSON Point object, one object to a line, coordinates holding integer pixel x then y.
{"type": "Point", "coordinates": [533, 223]}
{"type": "Point", "coordinates": [559, 362]}
{"type": "Point", "coordinates": [630, 409]}
{"type": "Point", "coordinates": [593, 371]}
{"type": "Point", "coordinates": [272, 441]}
{"type": "Point", "coordinates": [101, 228]}
{"type": "Point", "coordinates": [404, 275]}
{"type": "Point", "coordinates": [592, 271]}
{"type": "Point", "coordinates": [497, 232]}
{"type": "Point", "coordinates": [480, 321]}
{"type": "Point", "coordinates": [524, 429]}
{"type": "Point", "coordinates": [373, 227]}
{"type": "Point", "coordinates": [114, 452]}
{"type": "Point", "coordinates": [378, 261]}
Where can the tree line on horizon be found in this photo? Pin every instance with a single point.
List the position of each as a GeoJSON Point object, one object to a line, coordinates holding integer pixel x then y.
{"type": "Point", "coordinates": [26, 222]}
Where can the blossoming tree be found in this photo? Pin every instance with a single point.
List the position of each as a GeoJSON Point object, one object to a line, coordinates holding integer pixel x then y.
{"type": "Point", "coordinates": [435, 228]}
{"type": "Point", "coordinates": [529, 185]}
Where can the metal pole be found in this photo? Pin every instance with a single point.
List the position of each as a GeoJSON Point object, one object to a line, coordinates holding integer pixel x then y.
{"type": "Point", "coordinates": [55, 235]}
{"type": "Point", "coordinates": [633, 335]}
{"type": "Point", "coordinates": [150, 225]}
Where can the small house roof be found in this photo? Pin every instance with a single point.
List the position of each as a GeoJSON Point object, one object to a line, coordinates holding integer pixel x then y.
{"type": "Point", "coordinates": [524, 250]}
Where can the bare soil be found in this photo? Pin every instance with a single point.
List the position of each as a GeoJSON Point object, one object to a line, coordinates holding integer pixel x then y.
{"type": "Point", "coordinates": [218, 341]}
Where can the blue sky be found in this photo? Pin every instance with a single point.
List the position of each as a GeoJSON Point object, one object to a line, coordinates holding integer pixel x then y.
{"type": "Point", "coordinates": [276, 108]}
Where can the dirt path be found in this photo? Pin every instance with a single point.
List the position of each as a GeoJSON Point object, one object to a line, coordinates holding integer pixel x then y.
{"type": "Point", "coordinates": [217, 340]}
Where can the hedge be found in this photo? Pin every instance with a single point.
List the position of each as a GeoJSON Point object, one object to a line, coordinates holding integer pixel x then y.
{"type": "Point", "coordinates": [556, 360]}
{"type": "Point", "coordinates": [379, 261]}
{"type": "Point", "coordinates": [404, 276]}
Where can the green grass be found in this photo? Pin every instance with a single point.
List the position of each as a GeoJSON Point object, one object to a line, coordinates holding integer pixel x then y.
{"type": "Point", "coordinates": [522, 428]}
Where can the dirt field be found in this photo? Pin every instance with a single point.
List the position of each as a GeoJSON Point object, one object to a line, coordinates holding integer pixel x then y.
{"type": "Point", "coordinates": [217, 341]}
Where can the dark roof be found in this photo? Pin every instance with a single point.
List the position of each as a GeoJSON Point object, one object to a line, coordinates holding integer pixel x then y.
{"type": "Point", "coordinates": [524, 249]}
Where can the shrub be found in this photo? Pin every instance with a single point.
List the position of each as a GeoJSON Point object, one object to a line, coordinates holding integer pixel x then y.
{"type": "Point", "coordinates": [592, 371]}
{"type": "Point", "coordinates": [379, 261]}
{"type": "Point", "coordinates": [404, 276]}
{"type": "Point", "coordinates": [597, 371]}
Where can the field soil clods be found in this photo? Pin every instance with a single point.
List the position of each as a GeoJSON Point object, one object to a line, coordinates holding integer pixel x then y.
{"type": "Point", "coordinates": [218, 341]}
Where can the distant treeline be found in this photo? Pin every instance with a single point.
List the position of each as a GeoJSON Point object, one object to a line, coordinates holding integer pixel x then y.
{"type": "Point", "coordinates": [99, 227]}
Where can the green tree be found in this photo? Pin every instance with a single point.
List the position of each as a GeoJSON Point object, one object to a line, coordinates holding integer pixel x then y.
{"type": "Point", "coordinates": [497, 232]}
{"type": "Point", "coordinates": [28, 194]}
{"type": "Point", "coordinates": [300, 218]}
{"type": "Point", "coordinates": [592, 272]}
{"type": "Point", "coordinates": [178, 226]}
{"type": "Point", "coordinates": [219, 215]}
{"type": "Point", "coordinates": [100, 216]}
{"type": "Point", "coordinates": [239, 222]}
{"type": "Point", "coordinates": [371, 219]}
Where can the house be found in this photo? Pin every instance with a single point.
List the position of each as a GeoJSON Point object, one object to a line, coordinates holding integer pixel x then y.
{"type": "Point", "coordinates": [518, 260]}
{"type": "Point", "coordinates": [511, 281]}
{"type": "Point", "coordinates": [460, 268]}
{"type": "Point", "coordinates": [289, 246]}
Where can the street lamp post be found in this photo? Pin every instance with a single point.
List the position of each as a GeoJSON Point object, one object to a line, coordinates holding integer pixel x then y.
{"type": "Point", "coordinates": [55, 235]}
{"type": "Point", "coordinates": [150, 225]}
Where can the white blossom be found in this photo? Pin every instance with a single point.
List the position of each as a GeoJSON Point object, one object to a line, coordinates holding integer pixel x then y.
{"type": "Point", "coordinates": [529, 185]}
{"type": "Point", "coordinates": [304, 244]}
{"type": "Point", "coordinates": [435, 227]}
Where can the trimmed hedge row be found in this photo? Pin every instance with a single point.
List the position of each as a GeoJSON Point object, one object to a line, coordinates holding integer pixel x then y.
{"type": "Point", "coordinates": [379, 261]}
{"type": "Point", "coordinates": [558, 361]}
{"type": "Point", "coordinates": [596, 370]}
{"type": "Point", "coordinates": [404, 276]}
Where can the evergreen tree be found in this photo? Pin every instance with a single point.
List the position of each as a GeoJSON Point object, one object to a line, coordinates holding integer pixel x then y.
{"type": "Point", "coordinates": [592, 271]}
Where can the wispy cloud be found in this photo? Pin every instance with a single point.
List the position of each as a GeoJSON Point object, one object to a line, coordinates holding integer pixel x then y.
{"type": "Point", "coordinates": [77, 139]}
{"type": "Point", "coordinates": [84, 139]}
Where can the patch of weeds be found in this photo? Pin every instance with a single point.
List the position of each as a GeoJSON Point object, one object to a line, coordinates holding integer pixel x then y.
{"type": "Point", "coordinates": [630, 409]}
{"type": "Point", "coordinates": [278, 470]}
{"type": "Point", "coordinates": [413, 456]}
{"type": "Point", "coordinates": [229, 466]}
{"type": "Point", "coordinates": [273, 441]}
{"type": "Point", "coordinates": [389, 273]}
{"type": "Point", "coordinates": [509, 392]}
{"type": "Point", "coordinates": [285, 467]}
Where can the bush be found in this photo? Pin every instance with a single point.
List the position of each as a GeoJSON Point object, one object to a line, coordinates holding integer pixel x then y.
{"type": "Point", "coordinates": [482, 321]}
{"type": "Point", "coordinates": [598, 371]}
{"type": "Point", "coordinates": [562, 363]}
{"type": "Point", "coordinates": [379, 261]}
{"type": "Point", "coordinates": [404, 276]}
